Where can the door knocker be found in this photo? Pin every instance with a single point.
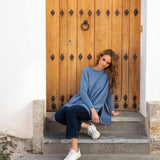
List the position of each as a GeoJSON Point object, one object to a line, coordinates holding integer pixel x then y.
{"type": "Point", "coordinates": [85, 23]}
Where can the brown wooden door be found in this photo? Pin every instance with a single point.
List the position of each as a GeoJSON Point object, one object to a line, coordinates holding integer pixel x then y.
{"type": "Point", "coordinates": [111, 24]}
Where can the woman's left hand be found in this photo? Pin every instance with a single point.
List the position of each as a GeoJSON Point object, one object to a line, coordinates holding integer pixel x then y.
{"type": "Point", "coordinates": [115, 113]}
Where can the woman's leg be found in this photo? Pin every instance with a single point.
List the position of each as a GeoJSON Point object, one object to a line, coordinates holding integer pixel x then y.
{"type": "Point", "coordinates": [60, 116]}
{"type": "Point", "coordinates": [75, 144]}
{"type": "Point", "coordinates": [74, 117]}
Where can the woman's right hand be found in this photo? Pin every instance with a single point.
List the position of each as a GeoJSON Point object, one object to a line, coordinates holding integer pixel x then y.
{"type": "Point", "coordinates": [95, 117]}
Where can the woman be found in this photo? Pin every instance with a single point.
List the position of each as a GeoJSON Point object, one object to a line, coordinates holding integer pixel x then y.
{"type": "Point", "coordinates": [93, 101]}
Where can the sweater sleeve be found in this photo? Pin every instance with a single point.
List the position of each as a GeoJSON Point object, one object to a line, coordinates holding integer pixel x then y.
{"type": "Point", "coordinates": [84, 89]}
{"type": "Point", "coordinates": [110, 101]}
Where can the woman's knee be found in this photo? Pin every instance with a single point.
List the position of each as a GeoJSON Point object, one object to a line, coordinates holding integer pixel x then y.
{"type": "Point", "coordinates": [59, 116]}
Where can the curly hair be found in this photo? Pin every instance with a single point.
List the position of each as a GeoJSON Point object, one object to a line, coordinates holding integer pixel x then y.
{"type": "Point", "coordinates": [112, 69]}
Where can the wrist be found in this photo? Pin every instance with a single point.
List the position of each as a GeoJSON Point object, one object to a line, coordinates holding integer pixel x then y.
{"type": "Point", "coordinates": [92, 110]}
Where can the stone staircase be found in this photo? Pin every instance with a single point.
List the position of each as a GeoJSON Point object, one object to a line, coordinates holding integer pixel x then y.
{"type": "Point", "coordinates": [125, 135]}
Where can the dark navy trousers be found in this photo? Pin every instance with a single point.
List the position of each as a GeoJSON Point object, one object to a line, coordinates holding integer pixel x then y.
{"type": "Point", "coordinates": [72, 117]}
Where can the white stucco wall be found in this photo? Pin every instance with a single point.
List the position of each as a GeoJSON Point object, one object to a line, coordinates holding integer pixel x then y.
{"type": "Point", "coordinates": [22, 63]}
{"type": "Point", "coordinates": [153, 51]}
{"type": "Point", "coordinates": [150, 57]}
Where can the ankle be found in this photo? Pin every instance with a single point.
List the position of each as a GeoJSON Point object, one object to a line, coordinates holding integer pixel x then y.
{"type": "Point", "coordinates": [75, 149]}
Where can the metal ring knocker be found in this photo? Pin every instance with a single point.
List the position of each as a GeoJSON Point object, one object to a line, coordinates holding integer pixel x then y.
{"type": "Point", "coordinates": [85, 23]}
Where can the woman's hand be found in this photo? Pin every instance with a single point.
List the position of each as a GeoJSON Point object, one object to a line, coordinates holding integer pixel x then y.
{"type": "Point", "coordinates": [95, 117]}
{"type": "Point", "coordinates": [115, 113]}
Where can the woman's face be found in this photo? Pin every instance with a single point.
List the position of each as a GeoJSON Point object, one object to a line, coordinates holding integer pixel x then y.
{"type": "Point", "coordinates": [104, 61]}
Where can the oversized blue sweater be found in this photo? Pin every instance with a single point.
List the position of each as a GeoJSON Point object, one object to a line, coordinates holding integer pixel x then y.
{"type": "Point", "coordinates": [94, 92]}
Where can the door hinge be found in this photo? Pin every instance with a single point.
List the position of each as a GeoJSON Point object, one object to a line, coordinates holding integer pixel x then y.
{"type": "Point", "coordinates": [141, 29]}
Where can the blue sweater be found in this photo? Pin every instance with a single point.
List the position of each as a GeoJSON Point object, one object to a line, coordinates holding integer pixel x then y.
{"type": "Point", "coordinates": [94, 92]}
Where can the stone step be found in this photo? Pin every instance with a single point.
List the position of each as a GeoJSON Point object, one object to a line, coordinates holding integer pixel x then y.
{"type": "Point", "coordinates": [129, 121]}
{"type": "Point", "coordinates": [117, 143]}
{"type": "Point", "coordinates": [90, 157]}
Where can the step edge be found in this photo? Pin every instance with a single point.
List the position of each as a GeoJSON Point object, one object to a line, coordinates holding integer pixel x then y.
{"type": "Point", "coordinates": [113, 119]}
{"type": "Point", "coordinates": [109, 140]}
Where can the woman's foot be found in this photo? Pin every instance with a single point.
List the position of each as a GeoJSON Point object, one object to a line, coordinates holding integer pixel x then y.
{"type": "Point", "coordinates": [115, 113]}
{"type": "Point", "coordinates": [92, 131]}
{"type": "Point", "coordinates": [73, 155]}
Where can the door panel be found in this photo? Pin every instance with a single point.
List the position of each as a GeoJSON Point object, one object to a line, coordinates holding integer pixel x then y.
{"type": "Point", "coordinates": [63, 64]}
{"type": "Point", "coordinates": [52, 54]}
{"type": "Point", "coordinates": [117, 44]}
{"type": "Point", "coordinates": [72, 48]}
{"type": "Point", "coordinates": [125, 52]}
{"type": "Point", "coordinates": [85, 43]}
{"type": "Point", "coordinates": [134, 57]}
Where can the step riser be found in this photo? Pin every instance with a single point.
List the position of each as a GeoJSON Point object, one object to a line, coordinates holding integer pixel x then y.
{"type": "Point", "coordinates": [100, 148]}
{"type": "Point", "coordinates": [53, 126]}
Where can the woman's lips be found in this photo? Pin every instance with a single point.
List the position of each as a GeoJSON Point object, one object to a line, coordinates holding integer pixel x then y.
{"type": "Point", "coordinates": [102, 66]}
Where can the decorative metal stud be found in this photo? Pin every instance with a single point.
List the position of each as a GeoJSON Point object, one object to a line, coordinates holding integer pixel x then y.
{"type": "Point", "coordinates": [126, 57]}
{"type": "Point", "coordinates": [116, 105]}
{"type": "Point", "coordinates": [135, 57]}
{"type": "Point", "coordinates": [134, 97]}
{"type": "Point", "coordinates": [108, 12]}
{"type": "Point", "coordinates": [53, 106]}
{"type": "Point", "coordinates": [98, 12]}
{"type": "Point", "coordinates": [70, 96]}
{"type": "Point", "coordinates": [53, 98]}
{"type": "Point", "coordinates": [89, 56]}
{"type": "Point", "coordinates": [116, 97]}
{"type": "Point", "coordinates": [125, 105]}
{"type": "Point", "coordinates": [62, 13]}
{"type": "Point", "coordinates": [80, 56]}
{"type": "Point", "coordinates": [135, 12]}
{"type": "Point", "coordinates": [134, 105]}
{"type": "Point", "coordinates": [117, 12]}
{"type": "Point", "coordinates": [81, 12]}
{"type": "Point", "coordinates": [52, 12]}
{"type": "Point", "coordinates": [89, 13]}
{"type": "Point", "coordinates": [126, 12]}
{"type": "Point", "coordinates": [62, 57]}
{"type": "Point", "coordinates": [62, 98]}
{"type": "Point", "coordinates": [71, 12]}
{"type": "Point", "coordinates": [71, 56]}
{"type": "Point", "coordinates": [125, 97]}
{"type": "Point", "coordinates": [52, 57]}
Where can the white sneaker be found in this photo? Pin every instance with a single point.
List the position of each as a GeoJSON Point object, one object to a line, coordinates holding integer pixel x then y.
{"type": "Point", "coordinates": [73, 155]}
{"type": "Point", "coordinates": [92, 131]}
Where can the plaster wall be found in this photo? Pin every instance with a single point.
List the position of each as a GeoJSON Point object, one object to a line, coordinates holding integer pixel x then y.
{"type": "Point", "coordinates": [22, 63]}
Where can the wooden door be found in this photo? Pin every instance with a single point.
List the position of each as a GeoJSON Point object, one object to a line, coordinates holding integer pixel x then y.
{"type": "Point", "coordinates": [76, 31]}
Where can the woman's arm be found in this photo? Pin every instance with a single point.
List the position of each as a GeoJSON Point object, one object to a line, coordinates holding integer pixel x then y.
{"type": "Point", "coordinates": [84, 96]}
{"type": "Point", "coordinates": [84, 89]}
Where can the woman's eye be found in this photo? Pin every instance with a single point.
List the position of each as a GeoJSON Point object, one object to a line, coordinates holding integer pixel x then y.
{"type": "Point", "coordinates": [103, 59]}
